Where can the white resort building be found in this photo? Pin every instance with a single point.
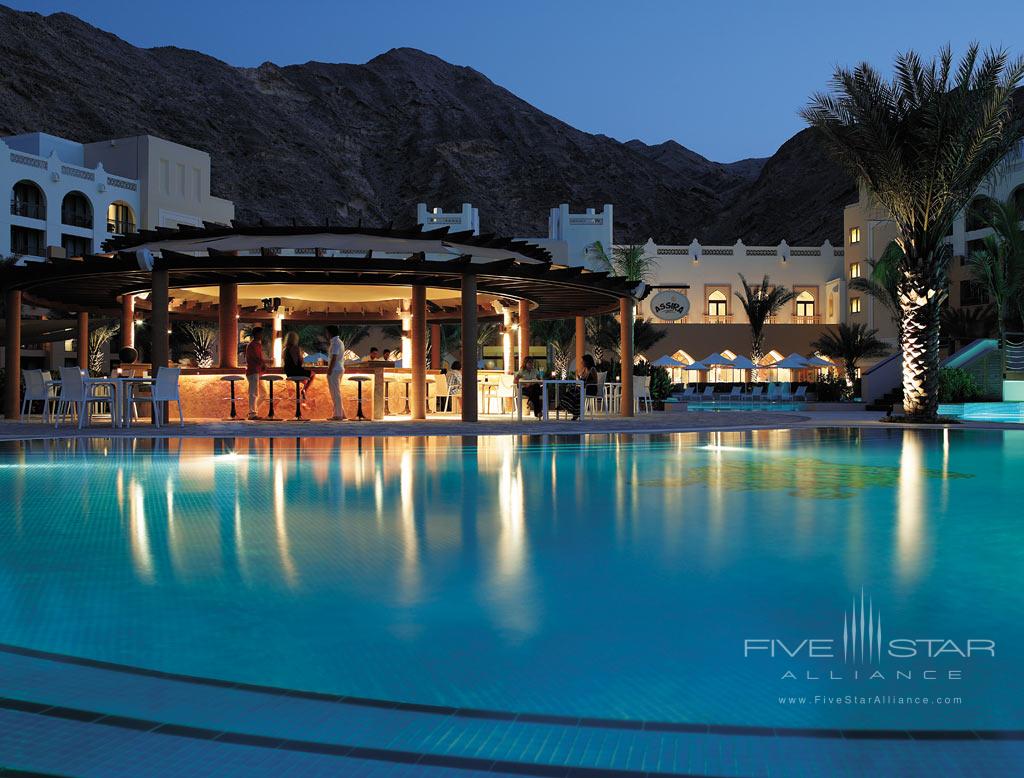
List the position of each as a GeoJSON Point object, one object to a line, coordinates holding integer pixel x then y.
{"type": "Point", "coordinates": [67, 198]}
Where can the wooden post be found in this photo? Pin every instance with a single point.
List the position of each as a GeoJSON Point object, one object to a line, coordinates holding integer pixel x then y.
{"type": "Point", "coordinates": [418, 387]}
{"type": "Point", "coordinates": [227, 315]}
{"type": "Point", "coordinates": [435, 346]}
{"type": "Point", "coordinates": [83, 340]}
{"type": "Point", "coordinates": [159, 298]}
{"type": "Point", "coordinates": [524, 332]}
{"type": "Point", "coordinates": [12, 356]}
{"type": "Point", "coordinates": [581, 342]}
{"type": "Point", "coordinates": [128, 321]}
{"type": "Point", "coordinates": [469, 334]}
{"type": "Point", "coordinates": [626, 349]}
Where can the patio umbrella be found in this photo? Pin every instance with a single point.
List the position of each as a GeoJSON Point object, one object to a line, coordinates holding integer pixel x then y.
{"type": "Point", "coordinates": [742, 363]}
{"type": "Point", "coordinates": [716, 359]}
{"type": "Point", "coordinates": [695, 366]}
{"type": "Point", "coordinates": [792, 362]}
{"type": "Point", "coordinates": [667, 362]}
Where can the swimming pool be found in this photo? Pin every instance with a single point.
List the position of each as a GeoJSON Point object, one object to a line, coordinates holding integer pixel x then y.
{"type": "Point", "coordinates": [611, 576]}
{"type": "Point", "coordinates": [1005, 413]}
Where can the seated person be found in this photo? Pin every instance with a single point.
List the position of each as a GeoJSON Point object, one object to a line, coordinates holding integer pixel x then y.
{"type": "Point", "coordinates": [569, 400]}
{"type": "Point", "coordinates": [532, 392]}
{"type": "Point", "coordinates": [374, 355]}
{"type": "Point", "coordinates": [293, 366]}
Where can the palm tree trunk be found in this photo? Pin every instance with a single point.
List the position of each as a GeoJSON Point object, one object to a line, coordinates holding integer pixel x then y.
{"type": "Point", "coordinates": [920, 357]}
{"type": "Point", "coordinates": [756, 353]}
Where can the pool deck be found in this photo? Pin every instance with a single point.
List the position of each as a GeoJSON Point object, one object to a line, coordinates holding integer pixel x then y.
{"type": "Point", "coordinates": [63, 715]}
{"type": "Point", "coordinates": [658, 422]}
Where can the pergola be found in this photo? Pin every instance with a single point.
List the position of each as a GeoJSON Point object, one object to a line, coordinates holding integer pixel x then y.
{"type": "Point", "coordinates": [325, 274]}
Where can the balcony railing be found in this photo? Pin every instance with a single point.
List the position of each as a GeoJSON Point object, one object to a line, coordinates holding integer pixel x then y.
{"type": "Point", "coordinates": [815, 319]}
{"type": "Point", "coordinates": [28, 210]}
{"type": "Point", "coordinates": [713, 318]}
{"type": "Point", "coordinates": [77, 220]}
{"type": "Point", "coordinates": [120, 227]}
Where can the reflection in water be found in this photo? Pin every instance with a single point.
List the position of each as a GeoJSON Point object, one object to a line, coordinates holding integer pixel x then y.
{"type": "Point", "coordinates": [410, 569]}
{"type": "Point", "coordinates": [284, 550]}
{"type": "Point", "coordinates": [142, 555]}
{"type": "Point", "coordinates": [910, 507]}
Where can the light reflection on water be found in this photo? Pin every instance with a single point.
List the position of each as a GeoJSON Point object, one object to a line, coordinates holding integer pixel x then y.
{"type": "Point", "coordinates": [617, 577]}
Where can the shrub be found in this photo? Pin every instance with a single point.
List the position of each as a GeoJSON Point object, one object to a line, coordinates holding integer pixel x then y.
{"type": "Point", "coordinates": [957, 385]}
{"type": "Point", "coordinates": [661, 384]}
{"type": "Point", "coordinates": [829, 388]}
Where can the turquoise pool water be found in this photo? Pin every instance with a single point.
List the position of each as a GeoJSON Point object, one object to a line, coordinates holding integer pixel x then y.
{"type": "Point", "coordinates": [1005, 413]}
{"type": "Point", "coordinates": [611, 576]}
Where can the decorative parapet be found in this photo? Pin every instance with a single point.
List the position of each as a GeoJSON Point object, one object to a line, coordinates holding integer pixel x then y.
{"type": "Point", "coordinates": [783, 251]}
{"type": "Point", "coordinates": [27, 159]}
{"type": "Point", "coordinates": [122, 183]}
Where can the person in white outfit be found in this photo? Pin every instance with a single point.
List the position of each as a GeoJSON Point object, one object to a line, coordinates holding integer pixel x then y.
{"type": "Point", "coordinates": [336, 371]}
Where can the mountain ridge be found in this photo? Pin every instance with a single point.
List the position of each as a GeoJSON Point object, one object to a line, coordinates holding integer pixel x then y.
{"type": "Point", "coordinates": [347, 142]}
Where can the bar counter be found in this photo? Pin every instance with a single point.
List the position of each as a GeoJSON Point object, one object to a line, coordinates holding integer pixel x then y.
{"type": "Point", "coordinates": [204, 395]}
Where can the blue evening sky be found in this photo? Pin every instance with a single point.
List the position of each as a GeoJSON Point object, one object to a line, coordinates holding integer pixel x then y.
{"type": "Point", "coordinates": [723, 77]}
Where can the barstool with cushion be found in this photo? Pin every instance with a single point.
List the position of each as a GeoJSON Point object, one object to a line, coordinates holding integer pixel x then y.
{"type": "Point", "coordinates": [271, 380]}
{"type": "Point", "coordinates": [298, 380]}
{"type": "Point", "coordinates": [232, 380]}
{"type": "Point", "coordinates": [360, 380]}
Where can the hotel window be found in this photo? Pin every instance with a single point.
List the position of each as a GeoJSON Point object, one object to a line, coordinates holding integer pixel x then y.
{"type": "Point", "coordinates": [805, 305]}
{"type": "Point", "coordinates": [28, 200]}
{"type": "Point", "coordinates": [718, 304]}
{"type": "Point", "coordinates": [120, 218]}
{"type": "Point", "coordinates": [854, 305]}
{"type": "Point", "coordinates": [26, 242]}
{"type": "Point", "coordinates": [76, 245]}
{"type": "Point", "coordinates": [854, 234]}
{"type": "Point", "coordinates": [76, 210]}
{"type": "Point", "coordinates": [855, 270]}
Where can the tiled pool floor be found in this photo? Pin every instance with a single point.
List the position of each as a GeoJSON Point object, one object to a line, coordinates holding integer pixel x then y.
{"type": "Point", "coordinates": [69, 717]}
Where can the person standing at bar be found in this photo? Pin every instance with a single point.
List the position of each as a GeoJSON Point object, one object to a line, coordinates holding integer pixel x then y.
{"type": "Point", "coordinates": [254, 365]}
{"type": "Point", "coordinates": [335, 371]}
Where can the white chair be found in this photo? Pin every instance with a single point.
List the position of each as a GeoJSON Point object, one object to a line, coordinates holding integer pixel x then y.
{"type": "Point", "coordinates": [642, 393]}
{"type": "Point", "coordinates": [449, 390]}
{"type": "Point", "coordinates": [37, 389]}
{"type": "Point", "coordinates": [599, 400]}
{"type": "Point", "coordinates": [77, 396]}
{"type": "Point", "coordinates": [506, 391]}
{"type": "Point", "coordinates": [165, 389]}
{"type": "Point", "coordinates": [612, 396]}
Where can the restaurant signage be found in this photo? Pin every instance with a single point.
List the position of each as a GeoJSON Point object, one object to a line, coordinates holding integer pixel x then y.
{"type": "Point", "coordinates": [669, 305]}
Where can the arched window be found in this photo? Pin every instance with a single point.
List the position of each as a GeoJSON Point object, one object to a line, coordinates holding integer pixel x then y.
{"type": "Point", "coordinates": [805, 305]}
{"type": "Point", "coordinates": [76, 210]}
{"type": "Point", "coordinates": [977, 213]}
{"type": "Point", "coordinates": [27, 199]}
{"type": "Point", "coordinates": [120, 218]}
{"type": "Point", "coordinates": [718, 303]}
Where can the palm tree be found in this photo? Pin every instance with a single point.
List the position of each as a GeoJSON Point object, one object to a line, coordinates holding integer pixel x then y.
{"type": "Point", "coordinates": [202, 336]}
{"type": "Point", "coordinates": [999, 264]}
{"type": "Point", "coordinates": [559, 335]}
{"type": "Point", "coordinates": [922, 144]}
{"type": "Point", "coordinates": [603, 334]}
{"type": "Point", "coordinates": [761, 303]}
{"type": "Point", "coordinates": [960, 326]}
{"type": "Point", "coordinates": [630, 262]}
{"type": "Point", "coordinates": [883, 284]}
{"type": "Point", "coordinates": [99, 337]}
{"type": "Point", "coordinates": [850, 343]}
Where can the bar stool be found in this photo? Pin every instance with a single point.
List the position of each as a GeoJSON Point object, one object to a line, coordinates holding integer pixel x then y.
{"type": "Point", "coordinates": [271, 380]}
{"type": "Point", "coordinates": [360, 380]}
{"type": "Point", "coordinates": [406, 380]}
{"type": "Point", "coordinates": [232, 380]}
{"type": "Point", "coordinates": [297, 380]}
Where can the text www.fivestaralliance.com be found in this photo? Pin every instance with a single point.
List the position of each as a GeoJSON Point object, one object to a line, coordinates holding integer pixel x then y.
{"type": "Point", "coordinates": [878, 699]}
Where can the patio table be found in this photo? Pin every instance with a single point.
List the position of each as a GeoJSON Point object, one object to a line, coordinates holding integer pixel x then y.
{"type": "Point", "coordinates": [128, 384]}
{"type": "Point", "coordinates": [545, 402]}
{"type": "Point", "coordinates": [92, 382]}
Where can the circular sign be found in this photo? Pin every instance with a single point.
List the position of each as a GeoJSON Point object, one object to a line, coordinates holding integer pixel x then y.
{"type": "Point", "coordinates": [669, 305]}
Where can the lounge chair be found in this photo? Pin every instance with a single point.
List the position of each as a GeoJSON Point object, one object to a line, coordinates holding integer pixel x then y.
{"type": "Point", "coordinates": [800, 395]}
{"type": "Point", "coordinates": [690, 393]}
{"type": "Point", "coordinates": [708, 393]}
{"type": "Point", "coordinates": [756, 394]}
{"type": "Point", "coordinates": [735, 394]}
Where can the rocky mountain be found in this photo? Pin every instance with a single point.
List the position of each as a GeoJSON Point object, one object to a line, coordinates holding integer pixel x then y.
{"type": "Point", "coordinates": [367, 142]}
